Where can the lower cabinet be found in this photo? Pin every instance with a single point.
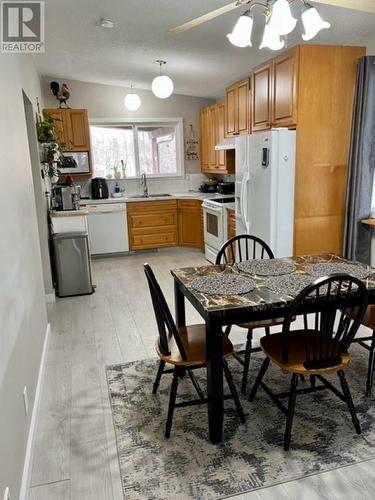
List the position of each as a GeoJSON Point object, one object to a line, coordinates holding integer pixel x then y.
{"type": "Point", "coordinates": [158, 224]}
{"type": "Point", "coordinates": [152, 224]}
{"type": "Point", "coordinates": [190, 233]}
{"type": "Point", "coordinates": [231, 230]}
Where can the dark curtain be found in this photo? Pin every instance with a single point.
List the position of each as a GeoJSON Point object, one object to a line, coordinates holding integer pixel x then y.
{"type": "Point", "coordinates": [357, 236]}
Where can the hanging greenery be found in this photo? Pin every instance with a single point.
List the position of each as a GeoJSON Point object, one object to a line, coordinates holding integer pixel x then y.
{"type": "Point", "coordinates": [52, 147]}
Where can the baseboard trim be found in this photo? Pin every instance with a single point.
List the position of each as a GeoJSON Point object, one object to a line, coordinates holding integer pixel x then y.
{"type": "Point", "coordinates": [26, 475]}
{"type": "Point", "coordinates": [50, 297]}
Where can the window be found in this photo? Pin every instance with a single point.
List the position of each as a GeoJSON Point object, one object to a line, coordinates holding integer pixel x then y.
{"type": "Point", "coordinates": [132, 149]}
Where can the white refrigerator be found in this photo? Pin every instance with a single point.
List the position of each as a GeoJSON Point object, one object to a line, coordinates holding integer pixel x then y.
{"type": "Point", "coordinates": [264, 188]}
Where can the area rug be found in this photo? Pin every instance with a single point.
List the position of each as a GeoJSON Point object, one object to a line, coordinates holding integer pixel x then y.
{"type": "Point", "coordinates": [187, 466]}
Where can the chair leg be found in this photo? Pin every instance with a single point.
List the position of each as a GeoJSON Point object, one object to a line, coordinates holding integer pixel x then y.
{"type": "Point", "coordinates": [172, 401]}
{"type": "Point", "coordinates": [227, 330]}
{"type": "Point", "coordinates": [259, 378]}
{"type": "Point", "coordinates": [349, 401]}
{"type": "Point", "coordinates": [370, 370]}
{"type": "Point", "coordinates": [249, 344]}
{"type": "Point", "coordinates": [268, 331]}
{"type": "Point", "coordinates": [158, 376]}
{"type": "Point", "coordinates": [195, 384]}
{"type": "Point", "coordinates": [233, 391]}
{"type": "Point", "coordinates": [312, 381]}
{"type": "Point", "coordinates": [290, 415]}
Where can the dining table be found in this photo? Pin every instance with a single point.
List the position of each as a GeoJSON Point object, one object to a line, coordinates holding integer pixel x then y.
{"type": "Point", "coordinates": [219, 310]}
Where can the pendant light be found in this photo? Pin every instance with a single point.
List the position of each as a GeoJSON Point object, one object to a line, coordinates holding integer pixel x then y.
{"type": "Point", "coordinates": [312, 22]}
{"type": "Point", "coordinates": [241, 34]}
{"type": "Point", "coordinates": [282, 17]}
{"type": "Point", "coordinates": [271, 36]}
{"type": "Point", "coordinates": [162, 86]}
{"type": "Point", "coordinates": [132, 101]}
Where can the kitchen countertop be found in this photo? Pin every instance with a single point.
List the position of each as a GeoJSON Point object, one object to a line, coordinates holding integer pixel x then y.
{"type": "Point", "coordinates": [194, 195]}
{"type": "Point", "coordinates": [68, 213]}
{"type": "Point", "coordinates": [369, 222]}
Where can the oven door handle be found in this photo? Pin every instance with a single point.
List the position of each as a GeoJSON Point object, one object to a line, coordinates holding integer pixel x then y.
{"type": "Point", "coordinates": [216, 210]}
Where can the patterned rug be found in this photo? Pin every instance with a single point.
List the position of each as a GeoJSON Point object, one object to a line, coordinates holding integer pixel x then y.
{"type": "Point", "coordinates": [187, 466]}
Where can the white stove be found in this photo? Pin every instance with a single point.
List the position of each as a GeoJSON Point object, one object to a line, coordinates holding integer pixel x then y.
{"type": "Point", "coordinates": [215, 225]}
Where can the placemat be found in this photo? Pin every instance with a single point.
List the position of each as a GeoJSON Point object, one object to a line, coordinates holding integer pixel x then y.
{"type": "Point", "coordinates": [223, 284]}
{"type": "Point", "coordinates": [289, 284]}
{"type": "Point", "coordinates": [325, 269]}
{"type": "Point", "coordinates": [267, 267]}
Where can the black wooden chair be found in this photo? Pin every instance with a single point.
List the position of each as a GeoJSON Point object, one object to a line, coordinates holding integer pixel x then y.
{"type": "Point", "coordinates": [337, 304]}
{"type": "Point", "coordinates": [369, 322]}
{"type": "Point", "coordinates": [185, 349]}
{"type": "Point", "coordinates": [237, 249]}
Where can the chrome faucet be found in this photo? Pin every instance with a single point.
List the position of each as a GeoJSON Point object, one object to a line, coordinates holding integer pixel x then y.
{"type": "Point", "coordinates": [144, 184]}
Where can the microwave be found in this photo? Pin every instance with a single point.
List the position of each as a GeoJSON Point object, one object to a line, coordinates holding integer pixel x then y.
{"type": "Point", "coordinates": [75, 163]}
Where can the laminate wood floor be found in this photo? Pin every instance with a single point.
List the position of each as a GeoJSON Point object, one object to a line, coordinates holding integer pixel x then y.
{"type": "Point", "coordinates": [74, 455]}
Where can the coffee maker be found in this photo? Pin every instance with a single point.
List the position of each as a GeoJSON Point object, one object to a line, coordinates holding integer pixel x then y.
{"type": "Point", "coordinates": [99, 188]}
{"type": "Point", "coordinates": [65, 197]}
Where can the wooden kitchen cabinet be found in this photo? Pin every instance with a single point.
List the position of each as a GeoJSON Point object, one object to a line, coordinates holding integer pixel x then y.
{"type": "Point", "coordinates": [152, 224]}
{"type": "Point", "coordinates": [212, 131]}
{"type": "Point", "coordinates": [261, 97]}
{"type": "Point", "coordinates": [190, 233]}
{"type": "Point", "coordinates": [285, 88]}
{"type": "Point", "coordinates": [72, 127]}
{"type": "Point", "coordinates": [237, 106]}
{"type": "Point", "coordinates": [231, 229]}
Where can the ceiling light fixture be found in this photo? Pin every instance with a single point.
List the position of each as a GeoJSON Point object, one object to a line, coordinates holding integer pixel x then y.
{"type": "Point", "coordinates": [312, 22]}
{"type": "Point", "coordinates": [279, 22]}
{"type": "Point", "coordinates": [271, 36]}
{"type": "Point", "coordinates": [241, 34]}
{"type": "Point", "coordinates": [132, 101]}
{"type": "Point", "coordinates": [162, 86]}
{"type": "Point", "coordinates": [282, 17]}
{"type": "Point", "coordinates": [106, 23]}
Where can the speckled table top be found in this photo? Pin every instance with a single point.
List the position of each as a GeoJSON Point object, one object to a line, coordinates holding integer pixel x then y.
{"type": "Point", "coordinates": [261, 298]}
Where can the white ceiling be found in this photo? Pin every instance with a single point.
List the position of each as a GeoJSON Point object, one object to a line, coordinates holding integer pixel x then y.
{"type": "Point", "coordinates": [200, 61]}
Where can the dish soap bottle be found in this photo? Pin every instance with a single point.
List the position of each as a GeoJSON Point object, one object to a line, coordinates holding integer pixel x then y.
{"type": "Point", "coordinates": [117, 188]}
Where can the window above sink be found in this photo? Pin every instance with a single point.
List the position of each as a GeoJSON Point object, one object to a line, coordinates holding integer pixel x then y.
{"type": "Point", "coordinates": [154, 147]}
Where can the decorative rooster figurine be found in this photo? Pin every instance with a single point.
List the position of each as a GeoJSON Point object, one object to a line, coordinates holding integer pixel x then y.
{"type": "Point", "coordinates": [62, 95]}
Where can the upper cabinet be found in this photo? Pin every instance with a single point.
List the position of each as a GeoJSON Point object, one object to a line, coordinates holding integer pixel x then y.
{"type": "Point", "coordinates": [72, 127]}
{"type": "Point", "coordinates": [212, 127]}
{"type": "Point", "coordinates": [275, 92]}
{"type": "Point", "coordinates": [261, 97]}
{"type": "Point", "coordinates": [285, 88]}
{"type": "Point", "coordinates": [237, 109]}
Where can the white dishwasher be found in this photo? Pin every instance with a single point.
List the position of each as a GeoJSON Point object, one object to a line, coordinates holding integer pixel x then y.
{"type": "Point", "coordinates": [108, 228]}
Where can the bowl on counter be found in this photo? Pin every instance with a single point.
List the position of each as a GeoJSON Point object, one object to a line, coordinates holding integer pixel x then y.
{"type": "Point", "coordinates": [118, 195]}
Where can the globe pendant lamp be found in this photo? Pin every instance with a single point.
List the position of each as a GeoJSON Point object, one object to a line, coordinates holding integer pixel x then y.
{"type": "Point", "coordinates": [162, 85]}
{"type": "Point", "coordinates": [271, 37]}
{"type": "Point", "coordinates": [241, 34]}
{"type": "Point", "coordinates": [312, 22]}
{"type": "Point", "coordinates": [282, 17]}
{"type": "Point", "coordinates": [132, 101]}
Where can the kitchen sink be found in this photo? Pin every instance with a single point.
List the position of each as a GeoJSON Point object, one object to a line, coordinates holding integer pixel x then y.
{"type": "Point", "coordinates": [163, 195]}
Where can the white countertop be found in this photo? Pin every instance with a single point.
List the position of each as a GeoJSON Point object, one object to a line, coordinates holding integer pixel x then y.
{"type": "Point", "coordinates": [194, 195]}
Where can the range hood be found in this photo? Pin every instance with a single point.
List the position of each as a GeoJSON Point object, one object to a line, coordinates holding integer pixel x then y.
{"type": "Point", "coordinates": [227, 143]}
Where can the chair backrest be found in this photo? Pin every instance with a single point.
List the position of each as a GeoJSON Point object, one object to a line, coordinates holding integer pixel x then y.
{"type": "Point", "coordinates": [243, 247]}
{"type": "Point", "coordinates": [332, 309]}
{"type": "Point", "coordinates": [164, 319]}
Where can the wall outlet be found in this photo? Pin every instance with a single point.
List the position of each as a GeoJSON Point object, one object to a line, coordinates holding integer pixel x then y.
{"type": "Point", "coordinates": [6, 494]}
{"type": "Point", "coordinates": [26, 400]}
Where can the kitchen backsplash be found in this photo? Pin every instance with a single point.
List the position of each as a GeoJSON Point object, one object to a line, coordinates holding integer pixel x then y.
{"type": "Point", "coordinates": [190, 182]}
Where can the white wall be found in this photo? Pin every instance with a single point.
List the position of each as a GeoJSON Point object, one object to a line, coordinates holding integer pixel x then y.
{"type": "Point", "coordinates": [367, 41]}
{"type": "Point", "coordinates": [107, 101]}
{"type": "Point", "coordinates": [23, 317]}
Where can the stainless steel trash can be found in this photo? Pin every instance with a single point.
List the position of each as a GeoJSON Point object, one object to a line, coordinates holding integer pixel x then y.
{"type": "Point", "coordinates": [72, 263]}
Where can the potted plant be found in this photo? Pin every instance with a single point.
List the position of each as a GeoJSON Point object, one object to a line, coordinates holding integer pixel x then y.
{"type": "Point", "coordinates": [51, 147]}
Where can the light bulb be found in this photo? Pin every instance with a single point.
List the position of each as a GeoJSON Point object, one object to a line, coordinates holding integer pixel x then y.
{"type": "Point", "coordinates": [282, 17]}
{"type": "Point", "coordinates": [132, 101]}
{"type": "Point", "coordinates": [271, 37]}
{"type": "Point", "coordinates": [162, 86]}
{"type": "Point", "coordinates": [241, 34]}
{"type": "Point", "coordinates": [312, 22]}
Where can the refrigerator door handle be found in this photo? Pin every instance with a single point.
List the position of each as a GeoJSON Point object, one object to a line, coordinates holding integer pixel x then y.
{"type": "Point", "coordinates": [243, 199]}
